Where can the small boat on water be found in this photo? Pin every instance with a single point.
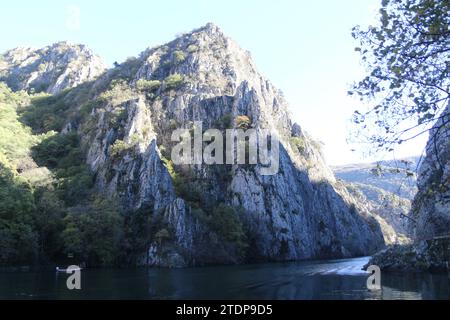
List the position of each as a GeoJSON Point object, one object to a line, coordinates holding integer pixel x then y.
{"type": "Point", "coordinates": [58, 269]}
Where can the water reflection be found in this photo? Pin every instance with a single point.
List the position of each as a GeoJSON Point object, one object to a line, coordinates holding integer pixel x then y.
{"type": "Point", "coordinates": [338, 279]}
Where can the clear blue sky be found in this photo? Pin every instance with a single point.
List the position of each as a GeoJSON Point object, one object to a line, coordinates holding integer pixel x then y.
{"type": "Point", "coordinates": [304, 47]}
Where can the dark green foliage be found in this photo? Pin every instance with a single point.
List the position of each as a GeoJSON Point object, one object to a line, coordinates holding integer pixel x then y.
{"type": "Point", "coordinates": [16, 198]}
{"type": "Point", "coordinates": [76, 186]}
{"type": "Point", "coordinates": [57, 150]}
{"type": "Point", "coordinates": [93, 232]}
{"type": "Point", "coordinates": [185, 183]}
{"type": "Point", "coordinates": [137, 234]}
{"type": "Point", "coordinates": [18, 238]}
{"type": "Point", "coordinates": [32, 217]}
{"type": "Point", "coordinates": [18, 243]}
{"type": "Point", "coordinates": [226, 122]}
{"type": "Point", "coordinates": [61, 152]}
{"type": "Point", "coordinates": [50, 211]}
{"type": "Point", "coordinates": [127, 70]}
{"type": "Point", "coordinates": [43, 222]}
{"type": "Point", "coordinates": [46, 113]}
{"type": "Point", "coordinates": [225, 221]}
{"type": "Point", "coordinates": [188, 188]}
{"type": "Point", "coordinates": [86, 109]}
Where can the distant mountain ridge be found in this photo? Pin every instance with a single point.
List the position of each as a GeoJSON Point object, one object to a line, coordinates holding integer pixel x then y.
{"type": "Point", "coordinates": [388, 187]}
{"type": "Point", "coordinates": [395, 176]}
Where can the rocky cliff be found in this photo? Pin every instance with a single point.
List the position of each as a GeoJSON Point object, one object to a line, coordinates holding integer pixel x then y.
{"type": "Point", "coordinates": [50, 69]}
{"type": "Point", "coordinates": [431, 206]}
{"type": "Point", "coordinates": [430, 227]}
{"type": "Point", "coordinates": [390, 210]}
{"type": "Point", "coordinates": [199, 214]}
{"type": "Point", "coordinates": [301, 212]}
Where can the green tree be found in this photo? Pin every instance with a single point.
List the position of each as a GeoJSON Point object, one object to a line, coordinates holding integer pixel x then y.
{"type": "Point", "coordinates": [173, 81]}
{"type": "Point", "coordinates": [56, 149]}
{"type": "Point", "coordinates": [225, 221]}
{"type": "Point", "coordinates": [18, 238]}
{"type": "Point", "coordinates": [93, 232]}
{"type": "Point", "coordinates": [50, 212]}
{"type": "Point", "coordinates": [137, 233]}
{"type": "Point", "coordinates": [148, 85]}
{"type": "Point", "coordinates": [408, 81]}
{"type": "Point", "coordinates": [62, 154]}
{"type": "Point", "coordinates": [178, 56]}
{"type": "Point", "coordinates": [118, 147]}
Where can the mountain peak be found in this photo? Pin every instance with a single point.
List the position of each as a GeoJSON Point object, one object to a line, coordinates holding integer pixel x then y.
{"type": "Point", "coordinates": [210, 27]}
{"type": "Point", "coordinates": [51, 69]}
{"type": "Point", "coordinates": [209, 31]}
{"type": "Point", "coordinates": [207, 55]}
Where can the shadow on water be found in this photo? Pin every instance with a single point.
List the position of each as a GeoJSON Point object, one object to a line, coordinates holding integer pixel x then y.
{"type": "Point", "coordinates": [334, 279]}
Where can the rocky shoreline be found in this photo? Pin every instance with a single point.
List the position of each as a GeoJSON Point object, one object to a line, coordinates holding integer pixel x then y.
{"type": "Point", "coordinates": [422, 256]}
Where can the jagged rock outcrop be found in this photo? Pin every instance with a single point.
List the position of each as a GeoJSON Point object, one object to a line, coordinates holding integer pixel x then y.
{"type": "Point", "coordinates": [387, 188]}
{"type": "Point", "coordinates": [431, 206]}
{"type": "Point", "coordinates": [430, 210]}
{"type": "Point", "coordinates": [208, 214]}
{"type": "Point", "coordinates": [390, 210]}
{"type": "Point", "coordinates": [393, 176]}
{"type": "Point", "coordinates": [425, 255]}
{"type": "Point", "coordinates": [50, 69]}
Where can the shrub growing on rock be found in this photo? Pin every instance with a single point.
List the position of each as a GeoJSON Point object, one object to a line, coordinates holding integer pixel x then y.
{"type": "Point", "coordinates": [173, 81]}
{"type": "Point", "coordinates": [148, 85]}
{"type": "Point", "coordinates": [243, 122]}
{"type": "Point", "coordinates": [178, 57]}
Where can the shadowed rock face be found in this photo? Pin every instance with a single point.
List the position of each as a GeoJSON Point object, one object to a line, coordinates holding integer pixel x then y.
{"type": "Point", "coordinates": [431, 206]}
{"type": "Point", "coordinates": [301, 212]}
{"type": "Point", "coordinates": [50, 69]}
{"type": "Point", "coordinates": [430, 210]}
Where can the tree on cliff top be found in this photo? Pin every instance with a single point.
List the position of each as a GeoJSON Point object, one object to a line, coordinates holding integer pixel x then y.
{"type": "Point", "coordinates": [407, 56]}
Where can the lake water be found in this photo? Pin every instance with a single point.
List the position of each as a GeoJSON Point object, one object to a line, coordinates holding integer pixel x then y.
{"type": "Point", "coordinates": [333, 279]}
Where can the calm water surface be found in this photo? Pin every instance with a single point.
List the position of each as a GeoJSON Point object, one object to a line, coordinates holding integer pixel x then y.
{"type": "Point", "coordinates": [333, 279]}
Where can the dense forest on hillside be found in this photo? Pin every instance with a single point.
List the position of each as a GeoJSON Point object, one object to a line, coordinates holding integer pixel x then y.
{"type": "Point", "coordinates": [48, 209]}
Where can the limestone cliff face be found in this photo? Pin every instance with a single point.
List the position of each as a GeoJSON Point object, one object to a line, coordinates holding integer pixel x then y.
{"type": "Point", "coordinates": [50, 69]}
{"type": "Point", "coordinates": [431, 206]}
{"type": "Point", "coordinates": [387, 188]}
{"type": "Point", "coordinates": [390, 211]}
{"type": "Point", "coordinates": [430, 210]}
{"type": "Point", "coordinates": [301, 212]}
